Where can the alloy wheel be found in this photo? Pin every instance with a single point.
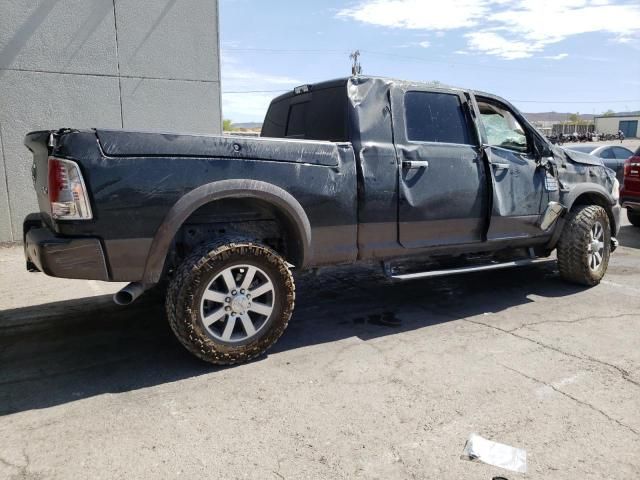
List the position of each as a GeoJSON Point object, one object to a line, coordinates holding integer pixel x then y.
{"type": "Point", "coordinates": [237, 303]}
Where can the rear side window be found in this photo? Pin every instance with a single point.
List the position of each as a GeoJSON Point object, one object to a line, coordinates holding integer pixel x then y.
{"type": "Point", "coordinates": [436, 117]}
{"type": "Point", "coordinates": [275, 122]}
{"type": "Point", "coordinates": [297, 122]}
{"type": "Point", "coordinates": [621, 153]}
{"type": "Point", "coordinates": [318, 115]}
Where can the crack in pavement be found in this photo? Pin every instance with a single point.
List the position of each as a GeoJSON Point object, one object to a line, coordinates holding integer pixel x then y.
{"type": "Point", "coordinates": [22, 469]}
{"type": "Point", "coordinates": [619, 285]}
{"type": "Point", "coordinates": [594, 317]}
{"type": "Point", "coordinates": [9, 464]}
{"type": "Point", "coordinates": [586, 404]}
{"type": "Point", "coordinates": [626, 376]}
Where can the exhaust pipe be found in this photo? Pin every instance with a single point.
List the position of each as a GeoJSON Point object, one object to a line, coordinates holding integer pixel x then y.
{"type": "Point", "coordinates": [129, 294]}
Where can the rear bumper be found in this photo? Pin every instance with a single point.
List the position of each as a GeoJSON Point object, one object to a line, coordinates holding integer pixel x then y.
{"type": "Point", "coordinates": [81, 258]}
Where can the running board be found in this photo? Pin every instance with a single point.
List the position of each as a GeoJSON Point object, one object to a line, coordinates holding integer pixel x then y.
{"type": "Point", "coordinates": [479, 268]}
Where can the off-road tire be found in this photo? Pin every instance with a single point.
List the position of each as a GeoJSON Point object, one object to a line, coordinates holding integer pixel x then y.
{"type": "Point", "coordinates": [191, 279]}
{"type": "Point", "coordinates": [634, 217]}
{"type": "Point", "coordinates": [573, 246]}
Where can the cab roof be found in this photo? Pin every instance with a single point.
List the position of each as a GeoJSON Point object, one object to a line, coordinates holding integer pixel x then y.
{"type": "Point", "coordinates": [339, 82]}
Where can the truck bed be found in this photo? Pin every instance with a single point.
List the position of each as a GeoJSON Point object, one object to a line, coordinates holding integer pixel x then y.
{"type": "Point", "coordinates": [122, 143]}
{"type": "Point", "coordinates": [144, 186]}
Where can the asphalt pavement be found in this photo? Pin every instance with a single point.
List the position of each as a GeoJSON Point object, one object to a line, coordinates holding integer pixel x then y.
{"type": "Point", "coordinates": [372, 380]}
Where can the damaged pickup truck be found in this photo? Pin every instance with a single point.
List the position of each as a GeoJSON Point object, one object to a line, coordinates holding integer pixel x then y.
{"type": "Point", "coordinates": [422, 180]}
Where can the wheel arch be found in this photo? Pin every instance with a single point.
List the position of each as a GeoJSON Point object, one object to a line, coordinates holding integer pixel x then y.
{"type": "Point", "coordinates": [283, 202]}
{"type": "Point", "coordinates": [592, 194]}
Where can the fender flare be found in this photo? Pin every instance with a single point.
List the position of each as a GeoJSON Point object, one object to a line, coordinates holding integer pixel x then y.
{"type": "Point", "coordinates": [569, 199]}
{"type": "Point", "coordinates": [590, 188]}
{"type": "Point", "coordinates": [211, 192]}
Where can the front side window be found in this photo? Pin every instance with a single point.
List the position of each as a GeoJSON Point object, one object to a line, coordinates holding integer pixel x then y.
{"type": "Point", "coordinates": [502, 128]}
{"type": "Point", "coordinates": [606, 153]}
{"type": "Point", "coordinates": [436, 117]}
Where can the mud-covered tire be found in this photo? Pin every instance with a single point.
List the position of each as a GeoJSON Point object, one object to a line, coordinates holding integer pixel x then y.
{"type": "Point", "coordinates": [634, 217]}
{"type": "Point", "coordinates": [191, 280]}
{"type": "Point", "coordinates": [575, 246]}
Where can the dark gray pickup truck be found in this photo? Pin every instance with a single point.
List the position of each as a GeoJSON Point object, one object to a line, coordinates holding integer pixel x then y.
{"type": "Point", "coordinates": [423, 180]}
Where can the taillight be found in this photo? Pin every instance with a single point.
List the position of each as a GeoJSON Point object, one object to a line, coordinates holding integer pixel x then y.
{"type": "Point", "coordinates": [67, 193]}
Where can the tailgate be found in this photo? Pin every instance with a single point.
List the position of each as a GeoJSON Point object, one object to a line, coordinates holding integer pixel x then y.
{"type": "Point", "coordinates": [38, 142]}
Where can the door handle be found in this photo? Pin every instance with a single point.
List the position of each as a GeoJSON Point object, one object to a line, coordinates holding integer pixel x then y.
{"type": "Point", "coordinates": [408, 164]}
{"type": "Point", "coordinates": [501, 166]}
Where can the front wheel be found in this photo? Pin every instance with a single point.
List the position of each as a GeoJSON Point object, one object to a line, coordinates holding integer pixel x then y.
{"type": "Point", "coordinates": [585, 245]}
{"type": "Point", "coordinates": [634, 217]}
{"type": "Point", "coordinates": [230, 301]}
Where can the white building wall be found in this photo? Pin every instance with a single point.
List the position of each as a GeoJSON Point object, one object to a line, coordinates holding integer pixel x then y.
{"type": "Point", "coordinates": [136, 64]}
{"type": "Point", "coordinates": [612, 124]}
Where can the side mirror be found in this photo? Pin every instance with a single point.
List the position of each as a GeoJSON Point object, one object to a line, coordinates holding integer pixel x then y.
{"type": "Point", "coordinates": [542, 149]}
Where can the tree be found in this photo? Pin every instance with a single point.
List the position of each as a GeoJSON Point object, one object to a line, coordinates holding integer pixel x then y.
{"type": "Point", "coordinates": [227, 125]}
{"type": "Point", "coordinates": [574, 118]}
{"type": "Point", "coordinates": [609, 113]}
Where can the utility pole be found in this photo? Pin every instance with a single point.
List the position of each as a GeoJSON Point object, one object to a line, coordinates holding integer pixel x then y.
{"type": "Point", "coordinates": [356, 68]}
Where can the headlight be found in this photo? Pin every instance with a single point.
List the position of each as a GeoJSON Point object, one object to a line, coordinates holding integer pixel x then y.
{"type": "Point", "coordinates": [615, 190]}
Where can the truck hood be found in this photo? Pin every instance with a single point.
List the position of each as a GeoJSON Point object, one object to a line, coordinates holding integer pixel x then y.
{"type": "Point", "coordinates": [124, 143]}
{"type": "Point", "coordinates": [583, 158]}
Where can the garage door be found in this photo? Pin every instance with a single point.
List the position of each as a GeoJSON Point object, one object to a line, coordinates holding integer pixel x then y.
{"type": "Point", "coordinates": [629, 127]}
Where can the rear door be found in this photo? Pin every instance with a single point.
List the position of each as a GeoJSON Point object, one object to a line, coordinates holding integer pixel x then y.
{"type": "Point", "coordinates": [519, 193]}
{"type": "Point", "coordinates": [442, 191]}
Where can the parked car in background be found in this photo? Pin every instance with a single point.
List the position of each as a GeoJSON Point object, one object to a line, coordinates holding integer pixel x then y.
{"type": "Point", "coordinates": [630, 191]}
{"type": "Point", "coordinates": [613, 156]}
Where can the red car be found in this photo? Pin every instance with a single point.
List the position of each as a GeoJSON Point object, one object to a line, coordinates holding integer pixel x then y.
{"type": "Point", "coordinates": [630, 191]}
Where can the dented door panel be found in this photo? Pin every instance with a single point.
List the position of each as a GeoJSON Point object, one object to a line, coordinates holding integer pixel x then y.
{"type": "Point", "coordinates": [519, 195]}
{"type": "Point", "coordinates": [520, 189]}
{"type": "Point", "coordinates": [442, 191]}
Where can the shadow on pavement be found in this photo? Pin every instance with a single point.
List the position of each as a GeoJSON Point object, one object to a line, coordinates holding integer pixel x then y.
{"type": "Point", "coordinates": [629, 236]}
{"type": "Point", "coordinates": [60, 352]}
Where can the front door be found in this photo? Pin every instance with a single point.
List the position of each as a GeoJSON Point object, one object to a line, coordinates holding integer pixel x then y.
{"type": "Point", "coordinates": [442, 191]}
{"type": "Point", "coordinates": [519, 192]}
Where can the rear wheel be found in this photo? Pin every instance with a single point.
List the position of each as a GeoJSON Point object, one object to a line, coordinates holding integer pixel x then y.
{"type": "Point", "coordinates": [585, 245]}
{"type": "Point", "coordinates": [230, 301]}
{"type": "Point", "coordinates": [634, 217]}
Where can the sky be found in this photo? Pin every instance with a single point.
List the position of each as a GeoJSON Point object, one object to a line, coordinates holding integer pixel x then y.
{"type": "Point", "coordinates": [542, 55]}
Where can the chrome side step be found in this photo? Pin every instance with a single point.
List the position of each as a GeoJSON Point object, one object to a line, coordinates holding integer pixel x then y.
{"type": "Point", "coordinates": [479, 268]}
